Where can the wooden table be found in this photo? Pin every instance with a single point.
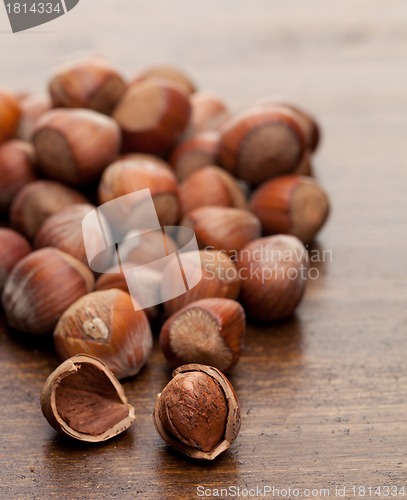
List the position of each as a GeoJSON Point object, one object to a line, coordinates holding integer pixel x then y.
{"type": "Point", "coordinates": [324, 394]}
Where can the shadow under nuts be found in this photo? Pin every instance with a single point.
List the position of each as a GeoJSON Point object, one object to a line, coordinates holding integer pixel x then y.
{"type": "Point", "coordinates": [41, 287]}
{"type": "Point", "coordinates": [198, 412]}
{"type": "Point", "coordinates": [105, 325]}
{"type": "Point", "coordinates": [84, 400]}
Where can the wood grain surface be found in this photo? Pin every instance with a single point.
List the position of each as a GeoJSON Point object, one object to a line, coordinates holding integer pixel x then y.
{"type": "Point", "coordinates": [323, 395]}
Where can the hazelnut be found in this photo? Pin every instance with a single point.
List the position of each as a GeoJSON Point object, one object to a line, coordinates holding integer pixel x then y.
{"type": "Point", "coordinates": [89, 83]}
{"type": "Point", "coordinates": [209, 331]}
{"type": "Point", "coordinates": [291, 204]}
{"type": "Point", "coordinates": [194, 153]}
{"type": "Point", "coordinates": [10, 113]}
{"type": "Point", "coordinates": [208, 111]}
{"type": "Point", "coordinates": [39, 200]}
{"type": "Point", "coordinates": [169, 73]}
{"type": "Point", "coordinates": [210, 186]}
{"type": "Point", "coordinates": [40, 288]}
{"type": "Point", "coordinates": [152, 116]}
{"type": "Point", "coordinates": [273, 274]}
{"type": "Point", "coordinates": [261, 143]}
{"type": "Point", "coordinates": [115, 278]}
{"type": "Point", "coordinates": [128, 175]}
{"type": "Point", "coordinates": [220, 278]}
{"type": "Point", "coordinates": [13, 248]}
{"type": "Point", "coordinates": [309, 124]}
{"type": "Point", "coordinates": [75, 145]}
{"type": "Point", "coordinates": [198, 412]}
{"type": "Point", "coordinates": [105, 325]}
{"type": "Point", "coordinates": [64, 231]}
{"type": "Point", "coordinates": [84, 400]}
{"type": "Point", "coordinates": [32, 107]}
{"type": "Point", "coordinates": [17, 161]}
{"type": "Point", "coordinates": [223, 228]}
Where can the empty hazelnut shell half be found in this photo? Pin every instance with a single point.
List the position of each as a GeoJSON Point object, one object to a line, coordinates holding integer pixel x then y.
{"type": "Point", "coordinates": [84, 400]}
{"type": "Point", "coordinates": [198, 412]}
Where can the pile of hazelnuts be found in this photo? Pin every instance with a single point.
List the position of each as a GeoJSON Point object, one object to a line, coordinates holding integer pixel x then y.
{"type": "Point", "coordinates": [242, 181]}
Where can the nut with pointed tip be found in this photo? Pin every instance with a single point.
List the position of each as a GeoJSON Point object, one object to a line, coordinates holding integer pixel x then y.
{"type": "Point", "coordinates": [220, 278]}
{"type": "Point", "coordinates": [88, 83]}
{"type": "Point", "coordinates": [209, 331]}
{"type": "Point", "coordinates": [13, 248]}
{"type": "Point", "coordinates": [84, 400]}
{"type": "Point", "coordinates": [198, 412]}
{"type": "Point", "coordinates": [170, 73]}
{"type": "Point", "coordinates": [273, 273]}
{"type": "Point", "coordinates": [39, 200]}
{"type": "Point", "coordinates": [105, 325]}
{"type": "Point", "coordinates": [208, 111]}
{"type": "Point", "coordinates": [33, 106]}
{"type": "Point", "coordinates": [261, 143]}
{"type": "Point", "coordinates": [223, 228]}
{"type": "Point", "coordinates": [41, 287]}
{"type": "Point", "coordinates": [291, 204]}
{"type": "Point", "coordinates": [10, 114]}
{"type": "Point", "coordinates": [17, 169]}
{"type": "Point", "coordinates": [223, 190]}
{"type": "Point", "coordinates": [132, 174]}
{"type": "Point", "coordinates": [152, 116]}
{"type": "Point", "coordinates": [194, 153]}
{"type": "Point", "coordinates": [75, 145]}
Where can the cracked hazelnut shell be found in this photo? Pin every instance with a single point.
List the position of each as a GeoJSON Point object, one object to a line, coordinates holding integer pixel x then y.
{"type": "Point", "coordinates": [83, 400]}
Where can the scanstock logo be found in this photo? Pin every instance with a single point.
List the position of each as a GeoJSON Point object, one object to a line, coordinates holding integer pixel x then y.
{"type": "Point", "coordinates": [26, 14]}
{"type": "Point", "coordinates": [159, 263]}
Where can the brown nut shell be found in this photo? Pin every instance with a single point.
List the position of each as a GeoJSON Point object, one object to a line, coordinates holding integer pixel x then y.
{"type": "Point", "coordinates": [106, 325]}
{"type": "Point", "coordinates": [84, 400]}
{"type": "Point", "coordinates": [170, 73]}
{"type": "Point", "coordinates": [198, 413]}
{"type": "Point", "coordinates": [291, 204]}
{"type": "Point", "coordinates": [274, 272]}
{"type": "Point", "coordinates": [41, 287]}
{"type": "Point", "coordinates": [10, 114]}
{"type": "Point", "coordinates": [261, 143]}
{"type": "Point", "coordinates": [194, 153]}
{"type": "Point", "coordinates": [223, 228]}
{"type": "Point", "coordinates": [152, 116]}
{"type": "Point", "coordinates": [208, 331]}
{"type": "Point", "coordinates": [220, 278]}
{"type": "Point", "coordinates": [89, 83]}
{"type": "Point", "coordinates": [13, 248]}
{"type": "Point", "coordinates": [17, 169]}
{"type": "Point", "coordinates": [39, 200]}
{"type": "Point", "coordinates": [134, 173]}
{"type": "Point", "coordinates": [32, 107]}
{"type": "Point", "coordinates": [75, 145]}
{"type": "Point", "coordinates": [211, 186]}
